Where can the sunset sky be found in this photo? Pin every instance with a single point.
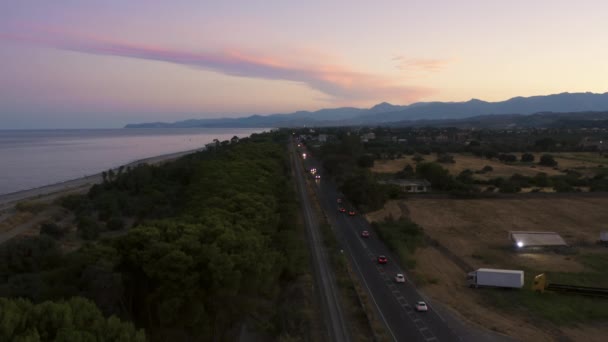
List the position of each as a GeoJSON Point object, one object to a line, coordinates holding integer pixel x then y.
{"type": "Point", "coordinates": [105, 63]}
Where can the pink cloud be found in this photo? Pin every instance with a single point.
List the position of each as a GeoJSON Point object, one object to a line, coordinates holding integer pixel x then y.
{"type": "Point", "coordinates": [424, 64]}
{"type": "Point", "coordinates": [336, 81]}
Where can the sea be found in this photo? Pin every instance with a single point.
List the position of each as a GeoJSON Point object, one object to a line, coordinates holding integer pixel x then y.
{"type": "Point", "coordinates": [35, 158]}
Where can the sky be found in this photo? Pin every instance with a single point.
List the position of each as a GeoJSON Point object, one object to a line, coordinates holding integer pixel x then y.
{"type": "Point", "coordinates": [106, 63]}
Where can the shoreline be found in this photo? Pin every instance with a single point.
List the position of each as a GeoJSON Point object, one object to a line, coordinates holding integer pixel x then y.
{"type": "Point", "coordinates": [11, 199]}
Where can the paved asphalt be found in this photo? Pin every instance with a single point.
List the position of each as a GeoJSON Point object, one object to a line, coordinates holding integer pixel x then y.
{"type": "Point", "coordinates": [324, 275]}
{"type": "Point", "coordinates": [394, 302]}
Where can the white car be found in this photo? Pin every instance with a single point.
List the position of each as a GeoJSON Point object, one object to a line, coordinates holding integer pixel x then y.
{"type": "Point", "coordinates": [399, 278]}
{"type": "Point", "coordinates": [421, 306]}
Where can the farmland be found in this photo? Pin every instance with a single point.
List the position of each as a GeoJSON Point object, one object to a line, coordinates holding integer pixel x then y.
{"type": "Point", "coordinates": [475, 232]}
{"type": "Point", "coordinates": [584, 162]}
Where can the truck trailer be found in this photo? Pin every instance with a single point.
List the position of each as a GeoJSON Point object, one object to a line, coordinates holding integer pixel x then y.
{"type": "Point", "coordinates": [496, 278]}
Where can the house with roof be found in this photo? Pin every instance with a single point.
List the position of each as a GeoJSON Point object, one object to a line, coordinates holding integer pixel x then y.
{"type": "Point", "coordinates": [410, 185]}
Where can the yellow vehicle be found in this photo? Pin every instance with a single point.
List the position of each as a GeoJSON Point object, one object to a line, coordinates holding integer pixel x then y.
{"type": "Point", "coordinates": [542, 284]}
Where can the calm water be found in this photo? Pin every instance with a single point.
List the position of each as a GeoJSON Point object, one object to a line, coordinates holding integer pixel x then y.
{"type": "Point", "coordinates": [30, 159]}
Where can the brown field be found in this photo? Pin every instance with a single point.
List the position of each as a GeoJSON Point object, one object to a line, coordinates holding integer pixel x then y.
{"type": "Point", "coordinates": [476, 232]}
{"type": "Point", "coordinates": [582, 161]}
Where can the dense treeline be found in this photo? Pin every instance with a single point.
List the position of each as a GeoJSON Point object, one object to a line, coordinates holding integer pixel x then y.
{"type": "Point", "coordinates": [349, 154]}
{"type": "Point", "coordinates": [395, 142]}
{"type": "Point", "coordinates": [402, 236]}
{"type": "Point", "coordinates": [75, 320]}
{"type": "Point", "coordinates": [347, 161]}
{"type": "Point", "coordinates": [464, 184]}
{"type": "Point", "coordinates": [214, 239]}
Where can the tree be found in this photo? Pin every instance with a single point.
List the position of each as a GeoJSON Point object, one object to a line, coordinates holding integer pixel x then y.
{"type": "Point", "coordinates": [547, 160]}
{"type": "Point", "coordinates": [541, 179]}
{"type": "Point", "coordinates": [366, 161]}
{"type": "Point", "coordinates": [509, 187]}
{"type": "Point", "coordinates": [487, 168]}
{"type": "Point", "coordinates": [407, 172]}
{"type": "Point", "coordinates": [438, 176]}
{"type": "Point", "coordinates": [88, 228]}
{"type": "Point", "coordinates": [507, 158]}
{"type": "Point", "coordinates": [417, 158]}
{"type": "Point", "coordinates": [466, 177]}
{"type": "Point", "coordinates": [527, 158]}
{"type": "Point", "coordinates": [545, 144]}
{"type": "Point", "coordinates": [52, 229]}
{"type": "Point", "coordinates": [562, 186]}
{"type": "Point", "coordinates": [491, 154]}
{"type": "Point", "coordinates": [445, 158]}
{"type": "Point", "coordinates": [77, 319]}
{"type": "Point", "coordinates": [115, 223]}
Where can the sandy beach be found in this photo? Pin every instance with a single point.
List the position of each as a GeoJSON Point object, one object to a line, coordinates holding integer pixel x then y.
{"type": "Point", "coordinates": [52, 191]}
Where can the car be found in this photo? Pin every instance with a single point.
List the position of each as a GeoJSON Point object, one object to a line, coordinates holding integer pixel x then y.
{"type": "Point", "coordinates": [421, 306]}
{"type": "Point", "coordinates": [382, 259]}
{"type": "Point", "coordinates": [400, 278]}
{"type": "Point", "coordinates": [342, 210]}
{"type": "Point", "coordinates": [339, 200]}
{"type": "Point", "coordinates": [317, 176]}
{"type": "Point", "coordinates": [365, 234]}
{"type": "Point", "coordinates": [351, 213]}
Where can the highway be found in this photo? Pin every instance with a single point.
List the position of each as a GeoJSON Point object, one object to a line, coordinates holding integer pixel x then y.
{"type": "Point", "coordinates": [324, 274]}
{"type": "Point", "coordinates": [393, 302]}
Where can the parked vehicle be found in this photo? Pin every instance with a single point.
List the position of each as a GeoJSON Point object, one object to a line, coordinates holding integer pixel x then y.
{"type": "Point", "coordinates": [496, 278]}
{"type": "Point", "coordinates": [542, 284]}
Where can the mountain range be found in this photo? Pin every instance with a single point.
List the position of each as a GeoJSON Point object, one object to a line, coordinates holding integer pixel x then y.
{"type": "Point", "coordinates": [420, 113]}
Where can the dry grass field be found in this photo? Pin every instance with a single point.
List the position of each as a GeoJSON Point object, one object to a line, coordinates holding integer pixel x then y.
{"type": "Point", "coordinates": [581, 161]}
{"type": "Point", "coordinates": [476, 231]}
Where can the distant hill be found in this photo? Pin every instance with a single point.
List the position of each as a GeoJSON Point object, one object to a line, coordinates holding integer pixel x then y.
{"type": "Point", "coordinates": [386, 113]}
{"type": "Point", "coordinates": [504, 121]}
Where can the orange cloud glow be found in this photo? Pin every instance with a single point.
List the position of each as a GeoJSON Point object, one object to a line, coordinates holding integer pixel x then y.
{"type": "Point", "coordinates": [424, 64]}
{"type": "Point", "coordinates": [339, 83]}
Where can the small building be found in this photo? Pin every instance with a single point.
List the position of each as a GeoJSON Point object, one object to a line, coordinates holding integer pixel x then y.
{"type": "Point", "coordinates": [322, 138]}
{"type": "Point", "coordinates": [365, 137]}
{"type": "Point", "coordinates": [530, 239]}
{"type": "Point", "coordinates": [442, 138]}
{"type": "Point", "coordinates": [410, 185]}
{"type": "Point", "coordinates": [423, 139]}
{"type": "Point", "coordinates": [604, 237]}
{"type": "Point", "coordinates": [594, 143]}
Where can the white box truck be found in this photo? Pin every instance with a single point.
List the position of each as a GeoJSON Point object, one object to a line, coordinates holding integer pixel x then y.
{"type": "Point", "coordinates": [496, 278]}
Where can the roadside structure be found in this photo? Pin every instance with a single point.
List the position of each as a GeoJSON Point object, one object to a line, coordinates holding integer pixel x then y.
{"type": "Point", "coordinates": [531, 239]}
{"type": "Point", "coordinates": [410, 185]}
